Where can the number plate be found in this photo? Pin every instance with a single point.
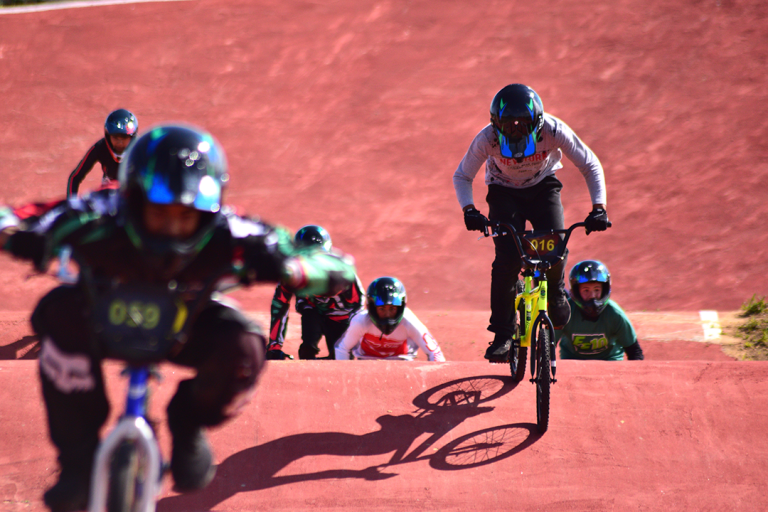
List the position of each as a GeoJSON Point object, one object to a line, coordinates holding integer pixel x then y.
{"type": "Point", "coordinates": [139, 323]}
{"type": "Point", "coordinates": [540, 245]}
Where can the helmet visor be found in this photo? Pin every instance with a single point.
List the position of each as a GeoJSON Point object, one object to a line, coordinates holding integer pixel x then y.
{"type": "Point", "coordinates": [516, 148]}
{"type": "Point", "coordinates": [388, 298]}
{"type": "Point", "coordinates": [515, 128]}
{"type": "Point", "coordinates": [203, 194]}
{"type": "Point", "coordinates": [517, 137]}
{"type": "Point", "coordinates": [592, 273]}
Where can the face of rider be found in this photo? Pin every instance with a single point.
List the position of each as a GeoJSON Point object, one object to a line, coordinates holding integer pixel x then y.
{"type": "Point", "coordinates": [119, 142]}
{"type": "Point", "coordinates": [591, 290]}
{"type": "Point", "coordinates": [171, 220]}
{"type": "Point", "coordinates": [385, 312]}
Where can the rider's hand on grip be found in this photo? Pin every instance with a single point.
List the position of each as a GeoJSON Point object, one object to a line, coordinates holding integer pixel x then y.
{"type": "Point", "coordinates": [597, 220]}
{"type": "Point", "coordinates": [474, 220]}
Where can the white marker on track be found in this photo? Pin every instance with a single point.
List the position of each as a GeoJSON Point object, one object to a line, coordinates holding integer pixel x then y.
{"type": "Point", "coordinates": [711, 325]}
{"type": "Point", "coordinates": [73, 5]}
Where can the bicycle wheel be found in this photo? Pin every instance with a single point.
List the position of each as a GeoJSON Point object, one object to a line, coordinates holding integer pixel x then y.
{"type": "Point", "coordinates": [517, 362]}
{"type": "Point", "coordinates": [543, 374]}
{"type": "Point", "coordinates": [123, 474]}
{"type": "Point", "coordinates": [483, 447]}
{"type": "Point", "coordinates": [518, 356]}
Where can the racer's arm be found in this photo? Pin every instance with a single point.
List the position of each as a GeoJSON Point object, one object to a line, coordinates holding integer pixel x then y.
{"type": "Point", "coordinates": [418, 333]}
{"type": "Point", "coordinates": [269, 255]}
{"type": "Point", "coordinates": [352, 336]}
{"type": "Point", "coordinates": [9, 224]}
{"type": "Point", "coordinates": [318, 273]}
{"type": "Point", "coordinates": [634, 352]}
{"type": "Point", "coordinates": [355, 294]}
{"type": "Point", "coordinates": [281, 304]}
{"type": "Point", "coordinates": [465, 173]}
{"type": "Point", "coordinates": [36, 236]}
{"type": "Point", "coordinates": [77, 176]}
{"type": "Point", "coordinates": [625, 333]}
{"type": "Point", "coordinates": [585, 160]}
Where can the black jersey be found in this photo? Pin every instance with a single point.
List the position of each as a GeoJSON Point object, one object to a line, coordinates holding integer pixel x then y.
{"type": "Point", "coordinates": [99, 152]}
{"type": "Point", "coordinates": [240, 248]}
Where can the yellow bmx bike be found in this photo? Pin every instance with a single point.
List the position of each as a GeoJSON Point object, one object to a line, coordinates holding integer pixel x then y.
{"type": "Point", "coordinates": [540, 251]}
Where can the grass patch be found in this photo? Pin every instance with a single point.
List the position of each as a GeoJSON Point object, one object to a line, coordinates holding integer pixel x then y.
{"type": "Point", "coordinates": [754, 329]}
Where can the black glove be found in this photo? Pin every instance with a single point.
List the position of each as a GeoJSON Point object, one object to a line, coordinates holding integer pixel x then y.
{"type": "Point", "coordinates": [597, 220]}
{"type": "Point", "coordinates": [474, 220]}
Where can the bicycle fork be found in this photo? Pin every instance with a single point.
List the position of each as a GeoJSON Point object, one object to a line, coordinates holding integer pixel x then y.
{"type": "Point", "coordinates": [135, 428]}
{"type": "Point", "coordinates": [540, 303]}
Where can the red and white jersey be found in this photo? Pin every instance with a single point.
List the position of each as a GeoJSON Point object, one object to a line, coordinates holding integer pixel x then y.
{"type": "Point", "coordinates": [366, 341]}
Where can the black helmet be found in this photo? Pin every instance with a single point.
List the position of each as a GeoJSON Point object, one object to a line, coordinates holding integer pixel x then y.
{"type": "Point", "coordinates": [590, 271]}
{"type": "Point", "coordinates": [517, 115]}
{"type": "Point", "coordinates": [313, 235]}
{"type": "Point", "coordinates": [120, 122]}
{"type": "Point", "coordinates": [173, 164]}
{"type": "Point", "coordinates": [386, 291]}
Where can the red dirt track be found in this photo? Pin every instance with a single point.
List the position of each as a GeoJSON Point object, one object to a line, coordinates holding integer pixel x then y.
{"type": "Point", "coordinates": [354, 115]}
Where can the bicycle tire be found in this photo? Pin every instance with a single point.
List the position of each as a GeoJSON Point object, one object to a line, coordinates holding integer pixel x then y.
{"type": "Point", "coordinates": [123, 472]}
{"type": "Point", "coordinates": [543, 374]}
{"type": "Point", "coordinates": [483, 447]}
{"type": "Point", "coordinates": [519, 356]}
{"type": "Point", "coordinates": [517, 363]}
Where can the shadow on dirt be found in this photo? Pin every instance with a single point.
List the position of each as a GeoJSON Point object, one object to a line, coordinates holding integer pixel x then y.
{"type": "Point", "coordinates": [27, 347]}
{"type": "Point", "coordinates": [440, 409]}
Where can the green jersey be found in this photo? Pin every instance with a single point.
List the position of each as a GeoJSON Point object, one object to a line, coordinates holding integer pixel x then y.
{"type": "Point", "coordinates": [602, 339]}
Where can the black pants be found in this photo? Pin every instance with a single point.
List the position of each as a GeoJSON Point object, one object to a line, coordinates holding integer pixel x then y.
{"type": "Point", "coordinates": [541, 206]}
{"type": "Point", "coordinates": [225, 348]}
{"type": "Point", "coordinates": [313, 327]}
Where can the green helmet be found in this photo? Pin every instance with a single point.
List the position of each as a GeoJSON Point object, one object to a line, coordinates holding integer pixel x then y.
{"type": "Point", "coordinates": [313, 235]}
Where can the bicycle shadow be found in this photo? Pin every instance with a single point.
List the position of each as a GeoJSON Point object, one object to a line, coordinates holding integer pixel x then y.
{"type": "Point", "coordinates": [30, 345]}
{"type": "Point", "coordinates": [441, 409]}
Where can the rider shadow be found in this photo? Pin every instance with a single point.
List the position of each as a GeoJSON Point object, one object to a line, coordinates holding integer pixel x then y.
{"type": "Point", "coordinates": [29, 345]}
{"type": "Point", "coordinates": [440, 409]}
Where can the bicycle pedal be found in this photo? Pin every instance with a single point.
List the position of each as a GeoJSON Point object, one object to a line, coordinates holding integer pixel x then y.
{"type": "Point", "coordinates": [499, 362]}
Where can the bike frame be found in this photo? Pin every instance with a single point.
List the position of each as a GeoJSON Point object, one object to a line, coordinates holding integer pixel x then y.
{"type": "Point", "coordinates": [132, 426]}
{"type": "Point", "coordinates": [535, 297]}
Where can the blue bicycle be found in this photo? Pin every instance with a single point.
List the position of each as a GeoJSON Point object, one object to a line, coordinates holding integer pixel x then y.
{"type": "Point", "coordinates": [140, 324]}
{"type": "Point", "coordinates": [129, 467]}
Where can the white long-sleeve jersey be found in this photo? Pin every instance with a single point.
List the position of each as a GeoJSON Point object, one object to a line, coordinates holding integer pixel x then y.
{"type": "Point", "coordinates": [557, 139]}
{"type": "Point", "coordinates": [366, 341]}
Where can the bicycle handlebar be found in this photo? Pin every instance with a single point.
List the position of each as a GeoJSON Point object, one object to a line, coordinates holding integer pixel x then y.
{"type": "Point", "coordinates": [543, 262]}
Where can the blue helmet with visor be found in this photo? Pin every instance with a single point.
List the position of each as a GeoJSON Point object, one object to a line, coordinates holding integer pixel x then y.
{"type": "Point", "coordinates": [386, 291]}
{"type": "Point", "coordinates": [120, 122]}
{"type": "Point", "coordinates": [517, 116]}
{"type": "Point", "coordinates": [173, 164]}
{"type": "Point", "coordinates": [590, 271]}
